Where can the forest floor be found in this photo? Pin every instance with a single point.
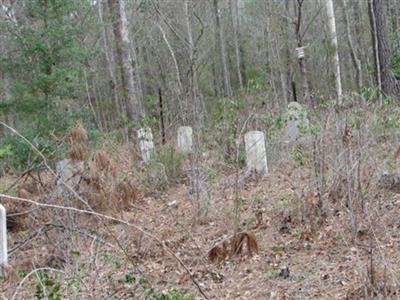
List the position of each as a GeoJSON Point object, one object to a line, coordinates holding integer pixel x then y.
{"type": "Point", "coordinates": [302, 255]}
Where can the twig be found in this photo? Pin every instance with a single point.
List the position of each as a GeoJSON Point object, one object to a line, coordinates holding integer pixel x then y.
{"type": "Point", "coordinates": [110, 218]}
{"type": "Point", "coordinates": [28, 275]}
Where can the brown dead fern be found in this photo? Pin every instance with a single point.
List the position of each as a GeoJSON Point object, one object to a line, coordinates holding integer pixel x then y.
{"type": "Point", "coordinates": [78, 135]}
{"type": "Point", "coordinates": [236, 245]}
{"type": "Point", "coordinates": [77, 139]}
{"type": "Point", "coordinates": [127, 192]}
{"type": "Point", "coordinates": [77, 152]}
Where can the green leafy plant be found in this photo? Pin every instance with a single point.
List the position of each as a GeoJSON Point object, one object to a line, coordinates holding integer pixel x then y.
{"type": "Point", "coordinates": [172, 162]}
{"type": "Point", "coordinates": [173, 294]}
{"type": "Point", "coordinates": [225, 119]}
{"type": "Point", "coordinates": [297, 156]}
{"type": "Point", "coordinates": [48, 287]}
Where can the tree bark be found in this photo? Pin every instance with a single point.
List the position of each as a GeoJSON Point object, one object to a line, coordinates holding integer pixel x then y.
{"type": "Point", "coordinates": [109, 59]}
{"type": "Point", "coordinates": [390, 86]}
{"type": "Point", "coordinates": [354, 59]}
{"type": "Point", "coordinates": [374, 40]}
{"type": "Point", "coordinates": [221, 47]}
{"type": "Point", "coordinates": [197, 103]}
{"type": "Point", "coordinates": [235, 25]}
{"type": "Point", "coordinates": [302, 64]}
{"type": "Point", "coordinates": [131, 98]}
{"type": "Point", "coordinates": [335, 56]}
{"type": "Point", "coordinates": [288, 58]}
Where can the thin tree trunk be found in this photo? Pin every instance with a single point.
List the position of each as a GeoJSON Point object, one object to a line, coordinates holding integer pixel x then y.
{"type": "Point", "coordinates": [356, 62]}
{"type": "Point", "coordinates": [377, 72]}
{"type": "Point", "coordinates": [221, 44]}
{"type": "Point", "coordinates": [267, 40]}
{"type": "Point", "coordinates": [235, 25]}
{"type": "Point", "coordinates": [335, 56]}
{"type": "Point", "coordinates": [301, 60]}
{"type": "Point", "coordinates": [281, 71]}
{"type": "Point", "coordinates": [288, 59]}
{"type": "Point", "coordinates": [197, 105]}
{"type": "Point", "coordinates": [131, 98]}
{"type": "Point", "coordinates": [182, 105]}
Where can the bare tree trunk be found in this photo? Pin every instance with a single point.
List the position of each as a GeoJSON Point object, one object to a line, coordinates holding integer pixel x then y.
{"type": "Point", "coordinates": [109, 60]}
{"type": "Point", "coordinates": [288, 59]}
{"type": "Point", "coordinates": [235, 25]}
{"type": "Point", "coordinates": [390, 86]}
{"type": "Point", "coordinates": [131, 98]}
{"type": "Point", "coordinates": [182, 104]}
{"type": "Point", "coordinates": [281, 70]}
{"type": "Point", "coordinates": [374, 39]}
{"type": "Point", "coordinates": [267, 39]}
{"type": "Point", "coordinates": [335, 56]}
{"type": "Point", "coordinates": [197, 103]}
{"type": "Point", "coordinates": [301, 59]}
{"type": "Point", "coordinates": [355, 60]}
{"type": "Point", "coordinates": [221, 46]}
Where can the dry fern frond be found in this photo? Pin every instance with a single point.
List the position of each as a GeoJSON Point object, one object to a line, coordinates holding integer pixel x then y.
{"type": "Point", "coordinates": [218, 253]}
{"type": "Point", "coordinates": [235, 246]}
{"type": "Point", "coordinates": [77, 135]}
{"type": "Point", "coordinates": [104, 162]}
{"type": "Point", "coordinates": [127, 192]}
{"type": "Point", "coordinates": [244, 239]}
{"type": "Point", "coordinates": [77, 152]}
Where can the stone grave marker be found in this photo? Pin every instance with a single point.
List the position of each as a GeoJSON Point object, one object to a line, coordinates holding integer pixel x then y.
{"type": "Point", "coordinates": [297, 124]}
{"type": "Point", "coordinates": [69, 172]}
{"type": "Point", "coordinates": [256, 156]}
{"type": "Point", "coordinates": [146, 144]}
{"type": "Point", "coordinates": [185, 139]}
{"type": "Point", "coordinates": [3, 241]}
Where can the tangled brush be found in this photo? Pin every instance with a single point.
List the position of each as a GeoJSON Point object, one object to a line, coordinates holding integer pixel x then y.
{"type": "Point", "coordinates": [108, 192]}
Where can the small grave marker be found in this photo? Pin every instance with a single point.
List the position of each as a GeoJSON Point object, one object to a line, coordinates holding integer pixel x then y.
{"type": "Point", "coordinates": [185, 139]}
{"type": "Point", "coordinates": [256, 157]}
{"type": "Point", "coordinates": [146, 143]}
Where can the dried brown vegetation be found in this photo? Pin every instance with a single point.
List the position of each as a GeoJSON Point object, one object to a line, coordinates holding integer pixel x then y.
{"type": "Point", "coordinates": [236, 245]}
{"type": "Point", "coordinates": [77, 138]}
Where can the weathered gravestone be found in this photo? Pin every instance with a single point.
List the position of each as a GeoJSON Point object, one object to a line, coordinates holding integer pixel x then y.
{"type": "Point", "coordinates": [3, 241]}
{"type": "Point", "coordinates": [199, 189]}
{"type": "Point", "coordinates": [297, 125]}
{"type": "Point", "coordinates": [69, 175]}
{"type": "Point", "coordinates": [185, 139]}
{"type": "Point", "coordinates": [156, 175]}
{"type": "Point", "coordinates": [256, 156]}
{"type": "Point", "coordinates": [146, 143]}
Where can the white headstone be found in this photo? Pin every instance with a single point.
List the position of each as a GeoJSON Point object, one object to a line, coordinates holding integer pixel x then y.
{"type": "Point", "coordinates": [185, 139]}
{"type": "Point", "coordinates": [69, 172]}
{"type": "Point", "coordinates": [146, 143]}
{"type": "Point", "coordinates": [297, 123]}
{"type": "Point", "coordinates": [256, 157]}
{"type": "Point", "coordinates": [3, 240]}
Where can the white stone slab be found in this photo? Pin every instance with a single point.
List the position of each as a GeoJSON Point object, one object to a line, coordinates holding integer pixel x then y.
{"type": "Point", "coordinates": [185, 139]}
{"type": "Point", "coordinates": [256, 156]}
{"type": "Point", "coordinates": [3, 240]}
{"type": "Point", "coordinates": [69, 172]}
{"type": "Point", "coordinates": [146, 143]}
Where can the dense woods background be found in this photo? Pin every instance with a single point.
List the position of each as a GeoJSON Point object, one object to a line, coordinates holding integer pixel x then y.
{"type": "Point", "coordinates": [111, 63]}
{"type": "Point", "coordinates": [79, 78]}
